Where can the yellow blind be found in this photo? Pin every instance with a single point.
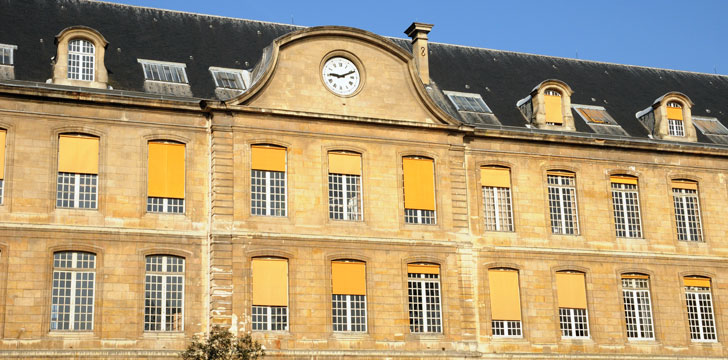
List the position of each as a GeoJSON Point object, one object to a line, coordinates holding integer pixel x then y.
{"type": "Point", "coordinates": [635, 276]}
{"type": "Point", "coordinates": [423, 269]}
{"type": "Point", "coordinates": [684, 184]}
{"type": "Point", "coordinates": [554, 113]}
{"type": "Point", "coordinates": [697, 281]}
{"type": "Point", "coordinates": [571, 290]}
{"type": "Point", "coordinates": [674, 113]}
{"type": "Point", "coordinates": [621, 179]}
{"type": "Point", "coordinates": [495, 176]}
{"type": "Point", "coordinates": [270, 282]}
{"type": "Point", "coordinates": [419, 184]}
{"type": "Point", "coordinates": [3, 134]}
{"type": "Point", "coordinates": [166, 172]}
{"type": "Point", "coordinates": [269, 158]}
{"type": "Point", "coordinates": [560, 173]}
{"type": "Point", "coordinates": [505, 301]}
{"type": "Point", "coordinates": [345, 163]}
{"type": "Point", "coordinates": [78, 154]}
{"type": "Point", "coordinates": [348, 278]}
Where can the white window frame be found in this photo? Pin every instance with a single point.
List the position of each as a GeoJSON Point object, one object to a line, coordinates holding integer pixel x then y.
{"type": "Point", "coordinates": [559, 189]}
{"type": "Point", "coordinates": [676, 127]}
{"type": "Point", "coordinates": [620, 208]}
{"type": "Point", "coordinates": [694, 293]}
{"type": "Point", "coordinates": [166, 275]}
{"type": "Point", "coordinates": [572, 321]}
{"type": "Point", "coordinates": [347, 180]}
{"type": "Point", "coordinates": [269, 317]}
{"type": "Point", "coordinates": [348, 310]}
{"type": "Point", "coordinates": [269, 194]}
{"type": "Point", "coordinates": [243, 76]}
{"type": "Point", "coordinates": [423, 281]}
{"type": "Point", "coordinates": [11, 53]}
{"type": "Point", "coordinates": [77, 192]}
{"type": "Point", "coordinates": [74, 270]}
{"type": "Point", "coordinates": [681, 196]}
{"type": "Point", "coordinates": [633, 291]}
{"type": "Point", "coordinates": [165, 205]}
{"type": "Point", "coordinates": [477, 98]}
{"type": "Point", "coordinates": [420, 217]}
{"type": "Point", "coordinates": [507, 326]}
{"type": "Point", "coordinates": [497, 213]}
{"type": "Point", "coordinates": [160, 65]}
{"type": "Point", "coordinates": [83, 61]}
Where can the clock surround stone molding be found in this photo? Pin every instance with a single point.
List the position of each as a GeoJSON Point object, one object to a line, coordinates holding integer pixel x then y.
{"type": "Point", "coordinates": [348, 56]}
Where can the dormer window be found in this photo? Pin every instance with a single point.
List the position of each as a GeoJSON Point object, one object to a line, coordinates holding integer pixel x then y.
{"type": "Point", "coordinates": [6, 54]}
{"type": "Point", "coordinates": [230, 78]}
{"type": "Point", "coordinates": [675, 119]}
{"type": "Point", "coordinates": [549, 106]}
{"type": "Point", "coordinates": [81, 58]}
{"type": "Point", "coordinates": [552, 101]}
{"type": "Point", "coordinates": [164, 71]}
{"type": "Point", "coordinates": [669, 118]}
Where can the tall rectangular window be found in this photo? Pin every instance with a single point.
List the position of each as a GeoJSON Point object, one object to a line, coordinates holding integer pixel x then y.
{"type": "Point", "coordinates": [3, 137]}
{"type": "Point", "coordinates": [573, 316]}
{"type": "Point", "coordinates": [81, 59]}
{"type": "Point", "coordinates": [78, 169]}
{"type": "Point", "coordinates": [505, 303]}
{"type": "Point", "coordinates": [349, 296]}
{"type": "Point", "coordinates": [562, 202]}
{"type": "Point", "coordinates": [626, 205]}
{"type": "Point", "coordinates": [6, 54]}
{"type": "Point", "coordinates": [345, 199]}
{"type": "Point", "coordinates": [166, 177]}
{"type": "Point", "coordinates": [268, 181]}
{"type": "Point", "coordinates": [423, 284]}
{"type": "Point", "coordinates": [270, 294]}
{"type": "Point", "coordinates": [419, 190]}
{"type": "Point", "coordinates": [675, 123]}
{"type": "Point", "coordinates": [496, 182]}
{"type": "Point", "coordinates": [554, 108]}
{"type": "Point", "coordinates": [164, 293]}
{"type": "Point", "coordinates": [637, 307]}
{"type": "Point", "coordinates": [700, 309]}
{"type": "Point", "coordinates": [73, 292]}
{"type": "Point", "coordinates": [687, 210]}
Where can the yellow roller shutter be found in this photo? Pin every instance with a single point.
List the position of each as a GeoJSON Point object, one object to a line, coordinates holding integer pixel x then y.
{"type": "Point", "coordinates": [495, 176]}
{"type": "Point", "coordinates": [270, 282]}
{"type": "Point", "coordinates": [621, 179]}
{"type": "Point", "coordinates": [505, 301]}
{"type": "Point", "coordinates": [419, 183]}
{"type": "Point", "coordinates": [560, 173]}
{"type": "Point", "coordinates": [78, 154]}
{"type": "Point", "coordinates": [268, 158]}
{"type": "Point", "coordinates": [423, 269]}
{"type": "Point", "coordinates": [348, 278]}
{"type": "Point", "coordinates": [3, 134]}
{"type": "Point", "coordinates": [344, 163]}
{"type": "Point", "coordinates": [674, 113]}
{"type": "Point", "coordinates": [697, 281]}
{"type": "Point", "coordinates": [554, 113]}
{"type": "Point", "coordinates": [166, 172]}
{"type": "Point", "coordinates": [635, 276]}
{"type": "Point", "coordinates": [684, 184]}
{"type": "Point", "coordinates": [571, 290]}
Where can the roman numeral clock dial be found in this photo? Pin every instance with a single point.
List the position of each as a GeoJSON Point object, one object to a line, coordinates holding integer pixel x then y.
{"type": "Point", "coordinates": [341, 76]}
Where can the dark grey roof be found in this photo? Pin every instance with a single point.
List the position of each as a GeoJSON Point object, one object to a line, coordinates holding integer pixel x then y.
{"type": "Point", "coordinates": [201, 41]}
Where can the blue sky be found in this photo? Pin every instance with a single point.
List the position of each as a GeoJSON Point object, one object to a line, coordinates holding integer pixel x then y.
{"type": "Point", "coordinates": [684, 35]}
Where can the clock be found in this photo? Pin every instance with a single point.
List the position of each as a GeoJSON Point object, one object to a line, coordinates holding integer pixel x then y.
{"type": "Point", "coordinates": [341, 76]}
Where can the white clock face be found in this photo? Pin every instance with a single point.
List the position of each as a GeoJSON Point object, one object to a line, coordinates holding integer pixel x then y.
{"type": "Point", "coordinates": [341, 76]}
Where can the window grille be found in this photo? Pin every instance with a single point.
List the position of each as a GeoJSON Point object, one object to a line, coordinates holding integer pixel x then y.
{"type": "Point", "coordinates": [76, 190]}
{"type": "Point", "coordinates": [700, 314]}
{"type": "Point", "coordinates": [270, 318]}
{"type": "Point", "coordinates": [165, 205]}
{"type": "Point", "coordinates": [228, 79]}
{"type": "Point", "coordinates": [345, 200]}
{"type": "Point", "coordinates": [81, 60]}
{"type": "Point", "coordinates": [552, 92]}
{"type": "Point", "coordinates": [562, 204]}
{"type": "Point", "coordinates": [6, 54]}
{"type": "Point", "coordinates": [425, 217]}
{"type": "Point", "coordinates": [498, 208]}
{"type": "Point", "coordinates": [164, 286]}
{"type": "Point", "coordinates": [424, 303]}
{"type": "Point", "coordinates": [507, 328]}
{"type": "Point", "coordinates": [468, 102]}
{"type": "Point", "coordinates": [687, 215]}
{"type": "Point", "coordinates": [574, 323]}
{"type": "Point", "coordinates": [268, 193]}
{"type": "Point", "coordinates": [637, 309]}
{"type": "Point", "coordinates": [349, 312]}
{"type": "Point", "coordinates": [73, 291]}
{"type": "Point", "coordinates": [167, 72]}
{"type": "Point", "coordinates": [676, 127]}
{"type": "Point", "coordinates": [625, 202]}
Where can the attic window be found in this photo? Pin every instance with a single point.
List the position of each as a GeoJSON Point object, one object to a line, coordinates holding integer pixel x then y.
{"type": "Point", "coordinates": [599, 120]}
{"type": "Point", "coordinates": [6, 54]}
{"type": "Point", "coordinates": [164, 71]}
{"type": "Point", "coordinates": [81, 59]}
{"type": "Point", "coordinates": [675, 119]}
{"type": "Point", "coordinates": [468, 102]}
{"type": "Point", "coordinates": [712, 128]}
{"type": "Point", "coordinates": [230, 78]}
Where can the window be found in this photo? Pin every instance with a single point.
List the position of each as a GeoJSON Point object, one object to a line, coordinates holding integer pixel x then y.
{"type": "Point", "coordinates": [268, 181]}
{"type": "Point", "coordinates": [164, 71]}
{"type": "Point", "coordinates": [562, 202]}
{"type": "Point", "coordinates": [675, 119]}
{"type": "Point", "coordinates": [712, 128]}
{"type": "Point", "coordinates": [554, 112]}
{"type": "Point", "coordinates": [423, 284]}
{"type": "Point", "coordinates": [599, 120]}
{"type": "Point", "coordinates": [78, 169]}
{"type": "Point", "coordinates": [419, 190]}
{"type": "Point", "coordinates": [637, 307]}
{"type": "Point", "coordinates": [230, 78]}
{"type": "Point", "coordinates": [496, 182]}
{"type": "Point", "coordinates": [573, 316]}
{"type": "Point", "coordinates": [165, 177]}
{"type": "Point", "coordinates": [345, 200]}
{"type": "Point", "coordinates": [626, 205]}
{"type": "Point", "coordinates": [700, 309]}
{"type": "Point", "coordinates": [505, 303]}
{"type": "Point", "coordinates": [349, 296]}
{"type": "Point", "coordinates": [270, 294]}
{"type": "Point", "coordinates": [6, 54]}
{"type": "Point", "coordinates": [3, 137]}
{"type": "Point", "coordinates": [72, 298]}
{"type": "Point", "coordinates": [164, 290]}
{"type": "Point", "coordinates": [687, 210]}
{"type": "Point", "coordinates": [81, 60]}
{"type": "Point", "coordinates": [468, 102]}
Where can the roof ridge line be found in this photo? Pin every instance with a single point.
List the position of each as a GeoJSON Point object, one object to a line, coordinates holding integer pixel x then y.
{"type": "Point", "coordinates": [187, 12]}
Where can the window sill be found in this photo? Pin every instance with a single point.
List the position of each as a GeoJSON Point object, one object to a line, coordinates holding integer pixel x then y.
{"type": "Point", "coordinates": [508, 339]}
{"type": "Point", "coordinates": [164, 334]}
{"type": "Point", "coordinates": [76, 209]}
{"type": "Point", "coordinates": [426, 336]}
{"type": "Point", "coordinates": [342, 335]}
{"type": "Point", "coordinates": [72, 334]}
{"type": "Point", "coordinates": [579, 340]}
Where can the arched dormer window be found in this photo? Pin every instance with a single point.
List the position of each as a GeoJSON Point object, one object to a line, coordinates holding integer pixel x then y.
{"type": "Point", "coordinates": [675, 126]}
{"type": "Point", "coordinates": [79, 58]}
{"type": "Point", "coordinates": [549, 106]}
{"type": "Point", "coordinates": [669, 118]}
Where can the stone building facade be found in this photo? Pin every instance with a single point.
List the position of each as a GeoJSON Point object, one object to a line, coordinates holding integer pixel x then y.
{"type": "Point", "coordinates": [429, 201]}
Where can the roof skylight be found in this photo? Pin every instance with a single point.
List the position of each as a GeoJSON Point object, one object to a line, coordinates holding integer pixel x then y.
{"type": "Point", "coordinates": [599, 120]}
{"type": "Point", "coordinates": [468, 102]}
{"type": "Point", "coordinates": [164, 71]}
{"type": "Point", "coordinates": [712, 128]}
{"type": "Point", "coordinates": [230, 78]}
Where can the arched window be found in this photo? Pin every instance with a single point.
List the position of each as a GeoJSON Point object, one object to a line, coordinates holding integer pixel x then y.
{"type": "Point", "coordinates": [345, 199]}
{"type": "Point", "coordinates": [687, 210]}
{"type": "Point", "coordinates": [164, 293]}
{"type": "Point", "coordinates": [699, 301]}
{"type": "Point", "coordinates": [73, 291]}
{"type": "Point", "coordinates": [81, 59]}
{"type": "Point", "coordinates": [423, 283]}
{"type": "Point", "coordinates": [562, 202]}
{"type": "Point", "coordinates": [573, 314]}
{"type": "Point", "coordinates": [675, 123]}
{"type": "Point", "coordinates": [497, 204]}
{"type": "Point", "coordinates": [166, 177]}
{"type": "Point", "coordinates": [268, 180]}
{"type": "Point", "coordinates": [348, 296]}
{"type": "Point", "coordinates": [505, 302]}
{"type": "Point", "coordinates": [78, 171]}
{"type": "Point", "coordinates": [637, 306]}
{"type": "Point", "coordinates": [626, 205]}
{"type": "Point", "coordinates": [419, 190]}
{"type": "Point", "coordinates": [270, 294]}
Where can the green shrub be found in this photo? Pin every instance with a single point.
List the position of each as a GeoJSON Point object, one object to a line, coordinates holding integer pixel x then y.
{"type": "Point", "coordinates": [221, 344]}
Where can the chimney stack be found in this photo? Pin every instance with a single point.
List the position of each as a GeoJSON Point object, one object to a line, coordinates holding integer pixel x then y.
{"type": "Point", "coordinates": [418, 33]}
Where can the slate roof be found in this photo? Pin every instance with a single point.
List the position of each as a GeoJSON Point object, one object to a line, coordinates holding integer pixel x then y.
{"type": "Point", "coordinates": [201, 41]}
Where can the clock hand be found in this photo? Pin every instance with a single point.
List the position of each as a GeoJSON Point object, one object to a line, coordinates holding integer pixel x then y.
{"type": "Point", "coordinates": [349, 73]}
